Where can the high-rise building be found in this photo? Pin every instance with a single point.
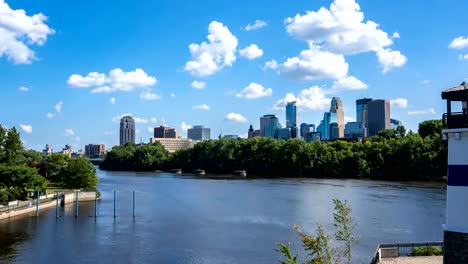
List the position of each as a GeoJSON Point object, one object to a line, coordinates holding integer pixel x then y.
{"type": "Point", "coordinates": [355, 130]}
{"type": "Point", "coordinates": [127, 130]}
{"type": "Point", "coordinates": [269, 124]}
{"type": "Point", "coordinates": [337, 108]}
{"type": "Point", "coordinates": [361, 110]}
{"type": "Point", "coordinates": [174, 144]}
{"type": "Point", "coordinates": [94, 151]}
{"type": "Point", "coordinates": [291, 114]}
{"type": "Point", "coordinates": [306, 129]}
{"type": "Point", "coordinates": [67, 150]}
{"type": "Point", "coordinates": [253, 132]}
{"type": "Point", "coordinates": [48, 150]}
{"type": "Point", "coordinates": [284, 133]}
{"type": "Point", "coordinates": [378, 116]}
{"type": "Point", "coordinates": [395, 123]}
{"type": "Point", "coordinates": [325, 128]}
{"type": "Point", "coordinates": [199, 133]}
{"type": "Point", "coordinates": [165, 132]}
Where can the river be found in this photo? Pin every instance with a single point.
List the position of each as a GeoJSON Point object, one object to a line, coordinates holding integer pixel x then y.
{"type": "Point", "coordinates": [184, 219]}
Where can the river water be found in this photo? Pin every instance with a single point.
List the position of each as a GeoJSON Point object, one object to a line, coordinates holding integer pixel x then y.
{"type": "Point", "coordinates": [183, 219]}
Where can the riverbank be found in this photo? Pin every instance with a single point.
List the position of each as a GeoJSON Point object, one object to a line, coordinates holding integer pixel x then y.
{"type": "Point", "coordinates": [49, 201]}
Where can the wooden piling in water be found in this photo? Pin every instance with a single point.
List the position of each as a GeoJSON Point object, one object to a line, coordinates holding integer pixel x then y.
{"type": "Point", "coordinates": [114, 203]}
{"type": "Point", "coordinates": [133, 204]}
{"type": "Point", "coordinates": [76, 204]}
{"type": "Point", "coordinates": [56, 205]}
{"type": "Point", "coordinates": [37, 203]}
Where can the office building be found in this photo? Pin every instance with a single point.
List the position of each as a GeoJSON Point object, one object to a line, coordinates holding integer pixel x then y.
{"type": "Point", "coordinates": [395, 123]}
{"type": "Point", "coordinates": [325, 128]}
{"type": "Point", "coordinates": [174, 144]}
{"type": "Point", "coordinates": [253, 132]}
{"type": "Point", "coordinates": [336, 107]}
{"type": "Point", "coordinates": [67, 150]}
{"type": "Point", "coordinates": [231, 137]}
{"type": "Point", "coordinates": [378, 116]}
{"type": "Point", "coordinates": [199, 133]}
{"type": "Point", "coordinates": [48, 150]}
{"type": "Point", "coordinates": [291, 114]}
{"type": "Point", "coordinates": [95, 151]}
{"type": "Point", "coordinates": [284, 133]}
{"type": "Point", "coordinates": [165, 132]}
{"type": "Point", "coordinates": [355, 130]}
{"type": "Point", "coordinates": [127, 130]}
{"type": "Point", "coordinates": [361, 110]}
{"type": "Point", "coordinates": [313, 136]}
{"type": "Point", "coordinates": [306, 129]}
{"type": "Point", "coordinates": [269, 124]}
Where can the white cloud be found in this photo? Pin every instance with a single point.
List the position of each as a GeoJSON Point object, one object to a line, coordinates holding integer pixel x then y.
{"type": "Point", "coordinates": [109, 132]}
{"type": "Point", "coordinates": [390, 59]}
{"type": "Point", "coordinates": [26, 128]}
{"type": "Point", "coordinates": [58, 106]}
{"type": "Point", "coordinates": [430, 111]}
{"type": "Point", "coordinates": [148, 95]}
{"type": "Point", "coordinates": [210, 57]}
{"type": "Point", "coordinates": [396, 35]}
{"type": "Point", "coordinates": [349, 83]}
{"type": "Point", "coordinates": [18, 31]}
{"type": "Point", "coordinates": [312, 98]}
{"type": "Point", "coordinates": [399, 102]}
{"type": "Point", "coordinates": [340, 29]}
{"type": "Point", "coordinates": [257, 25]}
{"type": "Point", "coordinates": [201, 107]}
{"type": "Point", "coordinates": [272, 64]}
{"type": "Point", "coordinates": [116, 80]}
{"type": "Point", "coordinates": [234, 117]}
{"type": "Point", "coordinates": [154, 120]}
{"type": "Point", "coordinates": [198, 85]}
{"type": "Point", "coordinates": [315, 64]}
{"type": "Point", "coordinates": [184, 126]}
{"type": "Point", "coordinates": [23, 89]}
{"type": "Point", "coordinates": [137, 119]}
{"type": "Point", "coordinates": [50, 115]}
{"type": "Point", "coordinates": [172, 95]}
{"type": "Point", "coordinates": [113, 100]}
{"type": "Point", "coordinates": [254, 91]}
{"type": "Point", "coordinates": [69, 132]}
{"type": "Point", "coordinates": [459, 43]}
{"type": "Point", "coordinates": [463, 57]}
{"type": "Point", "coordinates": [251, 52]}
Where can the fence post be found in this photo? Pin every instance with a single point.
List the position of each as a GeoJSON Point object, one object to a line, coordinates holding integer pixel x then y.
{"type": "Point", "coordinates": [76, 203]}
{"type": "Point", "coordinates": [114, 203]}
{"type": "Point", "coordinates": [37, 203]}
{"type": "Point", "coordinates": [56, 205]}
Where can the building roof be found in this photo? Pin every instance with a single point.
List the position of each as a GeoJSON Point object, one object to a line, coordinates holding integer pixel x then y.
{"type": "Point", "coordinates": [457, 93]}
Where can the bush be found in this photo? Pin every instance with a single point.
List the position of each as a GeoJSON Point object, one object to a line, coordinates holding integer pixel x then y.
{"type": "Point", "coordinates": [427, 251]}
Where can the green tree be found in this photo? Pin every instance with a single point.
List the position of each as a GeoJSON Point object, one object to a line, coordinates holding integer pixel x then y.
{"type": "Point", "coordinates": [80, 173]}
{"type": "Point", "coordinates": [33, 157]}
{"type": "Point", "coordinates": [57, 165]}
{"type": "Point", "coordinates": [286, 251]}
{"type": "Point", "coordinates": [13, 148]}
{"type": "Point", "coordinates": [16, 180]}
{"type": "Point", "coordinates": [345, 225]}
{"type": "Point", "coordinates": [430, 128]}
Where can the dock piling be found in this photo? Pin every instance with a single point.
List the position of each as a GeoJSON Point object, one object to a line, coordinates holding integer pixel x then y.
{"type": "Point", "coordinates": [133, 204]}
{"type": "Point", "coordinates": [56, 205]}
{"type": "Point", "coordinates": [114, 203]}
{"type": "Point", "coordinates": [76, 203]}
{"type": "Point", "coordinates": [95, 206]}
{"type": "Point", "coordinates": [37, 203]}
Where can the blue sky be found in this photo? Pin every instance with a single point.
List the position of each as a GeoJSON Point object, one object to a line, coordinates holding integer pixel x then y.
{"type": "Point", "coordinates": [83, 63]}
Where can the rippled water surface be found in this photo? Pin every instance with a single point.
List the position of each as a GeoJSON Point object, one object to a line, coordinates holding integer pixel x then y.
{"type": "Point", "coordinates": [181, 219]}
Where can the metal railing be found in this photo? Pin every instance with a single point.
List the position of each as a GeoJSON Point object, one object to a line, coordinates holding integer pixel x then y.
{"type": "Point", "coordinates": [24, 204]}
{"type": "Point", "coordinates": [406, 249]}
{"type": "Point", "coordinates": [455, 120]}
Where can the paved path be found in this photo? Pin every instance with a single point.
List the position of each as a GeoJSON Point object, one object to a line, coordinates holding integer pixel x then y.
{"type": "Point", "coordinates": [413, 260]}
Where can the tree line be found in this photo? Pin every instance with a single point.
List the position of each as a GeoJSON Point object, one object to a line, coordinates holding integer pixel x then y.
{"type": "Point", "coordinates": [24, 170]}
{"type": "Point", "coordinates": [392, 154]}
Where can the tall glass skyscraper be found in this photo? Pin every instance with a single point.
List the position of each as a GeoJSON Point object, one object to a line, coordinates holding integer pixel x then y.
{"type": "Point", "coordinates": [336, 108]}
{"type": "Point", "coordinates": [269, 125]}
{"type": "Point", "coordinates": [291, 114]}
{"type": "Point", "coordinates": [361, 110]}
{"type": "Point", "coordinates": [325, 125]}
{"type": "Point", "coordinates": [127, 130]}
{"type": "Point", "coordinates": [199, 133]}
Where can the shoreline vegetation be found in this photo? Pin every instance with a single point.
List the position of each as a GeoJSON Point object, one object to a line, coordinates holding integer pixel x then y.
{"type": "Point", "coordinates": [393, 154]}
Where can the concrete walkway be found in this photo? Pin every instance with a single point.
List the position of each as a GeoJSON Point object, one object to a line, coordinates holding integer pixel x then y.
{"type": "Point", "coordinates": [413, 260]}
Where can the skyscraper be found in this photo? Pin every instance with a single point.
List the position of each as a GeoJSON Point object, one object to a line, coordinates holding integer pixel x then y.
{"type": "Point", "coordinates": [268, 126]}
{"type": "Point", "coordinates": [306, 129]}
{"type": "Point", "coordinates": [127, 130]}
{"type": "Point", "coordinates": [361, 110]}
{"type": "Point", "coordinates": [337, 108]}
{"type": "Point", "coordinates": [165, 132]}
{"type": "Point", "coordinates": [253, 132]}
{"type": "Point", "coordinates": [378, 116]}
{"type": "Point", "coordinates": [325, 126]}
{"type": "Point", "coordinates": [291, 114]}
{"type": "Point", "coordinates": [199, 133]}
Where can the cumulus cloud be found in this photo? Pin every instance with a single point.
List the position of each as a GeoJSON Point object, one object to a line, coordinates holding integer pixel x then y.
{"type": "Point", "coordinates": [23, 89]}
{"type": "Point", "coordinates": [459, 43]}
{"type": "Point", "coordinates": [50, 115]}
{"type": "Point", "coordinates": [149, 95]}
{"type": "Point", "coordinates": [390, 59]}
{"type": "Point", "coordinates": [26, 128]}
{"type": "Point", "coordinates": [430, 111]}
{"type": "Point", "coordinates": [251, 52]}
{"type": "Point", "coordinates": [399, 102]}
{"type": "Point", "coordinates": [212, 56]}
{"type": "Point", "coordinates": [184, 126]}
{"type": "Point", "coordinates": [349, 83]}
{"type": "Point", "coordinates": [113, 100]}
{"type": "Point", "coordinates": [257, 25]}
{"type": "Point", "coordinates": [137, 119]}
{"type": "Point", "coordinates": [235, 117]}
{"type": "Point", "coordinates": [18, 32]}
{"type": "Point", "coordinates": [463, 57]}
{"type": "Point", "coordinates": [254, 91]}
{"type": "Point", "coordinates": [313, 98]}
{"type": "Point", "coordinates": [315, 64]}
{"type": "Point", "coordinates": [116, 80]}
{"type": "Point", "coordinates": [69, 132]}
{"type": "Point", "coordinates": [396, 35]}
{"type": "Point", "coordinates": [201, 107]}
{"type": "Point", "coordinates": [58, 106]}
{"type": "Point", "coordinates": [272, 64]}
{"type": "Point", "coordinates": [198, 85]}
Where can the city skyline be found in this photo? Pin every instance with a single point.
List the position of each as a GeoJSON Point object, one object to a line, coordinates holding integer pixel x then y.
{"type": "Point", "coordinates": [77, 95]}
